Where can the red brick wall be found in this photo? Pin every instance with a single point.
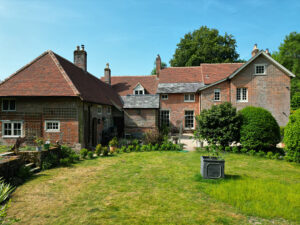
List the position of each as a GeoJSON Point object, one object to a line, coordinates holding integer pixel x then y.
{"type": "Point", "coordinates": [176, 105]}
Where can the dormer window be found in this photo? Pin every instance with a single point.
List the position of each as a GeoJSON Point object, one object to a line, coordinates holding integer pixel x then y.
{"type": "Point", "coordinates": [139, 90]}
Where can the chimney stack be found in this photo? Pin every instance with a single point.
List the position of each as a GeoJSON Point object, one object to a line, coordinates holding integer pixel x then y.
{"type": "Point", "coordinates": [267, 51]}
{"type": "Point", "coordinates": [80, 57]}
{"type": "Point", "coordinates": [255, 50]}
{"type": "Point", "coordinates": [107, 74]}
{"type": "Point", "coordinates": [158, 65]}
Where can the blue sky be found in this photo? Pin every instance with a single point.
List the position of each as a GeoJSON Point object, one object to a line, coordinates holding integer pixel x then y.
{"type": "Point", "coordinates": [130, 33]}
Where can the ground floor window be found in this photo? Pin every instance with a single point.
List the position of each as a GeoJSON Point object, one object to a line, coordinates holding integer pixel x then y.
{"type": "Point", "coordinates": [52, 126]}
{"type": "Point", "coordinates": [12, 128]}
{"type": "Point", "coordinates": [242, 94]}
{"type": "Point", "coordinates": [165, 118]}
{"type": "Point", "coordinates": [189, 119]}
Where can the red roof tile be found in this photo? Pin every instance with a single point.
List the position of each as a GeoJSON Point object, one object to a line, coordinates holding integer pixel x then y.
{"type": "Point", "coordinates": [124, 85]}
{"type": "Point", "coordinates": [180, 75]}
{"type": "Point", "coordinates": [51, 75]}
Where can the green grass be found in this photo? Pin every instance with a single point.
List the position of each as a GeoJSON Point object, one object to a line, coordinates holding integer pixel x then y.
{"type": "Point", "coordinates": [4, 148]}
{"type": "Point", "coordinates": [160, 188]}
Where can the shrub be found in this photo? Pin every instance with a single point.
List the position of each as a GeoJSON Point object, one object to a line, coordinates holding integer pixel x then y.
{"type": "Point", "coordinates": [235, 149]}
{"type": "Point", "coordinates": [218, 125]}
{"type": "Point", "coordinates": [123, 149]}
{"type": "Point", "coordinates": [282, 133]}
{"type": "Point", "coordinates": [292, 137]}
{"type": "Point", "coordinates": [137, 148]}
{"type": "Point", "coordinates": [5, 190]}
{"type": "Point", "coordinates": [144, 148]}
{"type": "Point", "coordinates": [135, 142]}
{"type": "Point", "coordinates": [50, 161]}
{"type": "Point", "coordinates": [65, 162]}
{"type": "Point", "coordinates": [227, 149]}
{"type": "Point", "coordinates": [153, 137]}
{"type": "Point", "coordinates": [244, 150]}
{"type": "Point", "coordinates": [259, 129]}
{"type": "Point", "coordinates": [98, 149]}
{"type": "Point", "coordinates": [270, 155]}
{"type": "Point", "coordinates": [130, 148]}
{"type": "Point", "coordinates": [261, 153]}
{"type": "Point", "coordinates": [24, 172]}
{"type": "Point", "coordinates": [113, 142]}
{"type": "Point", "coordinates": [83, 153]}
{"type": "Point", "coordinates": [105, 151]}
{"type": "Point", "coordinates": [66, 151]}
{"type": "Point", "coordinates": [90, 154]}
{"type": "Point", "coordinates": [156, 147]}
{"type": "Point", "coordinates": [252, 152]}
{"type": "Point", "coordinates": [206, 148]}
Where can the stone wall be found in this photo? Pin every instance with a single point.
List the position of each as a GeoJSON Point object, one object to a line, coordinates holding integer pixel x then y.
{"type": "Point", "coordinates": [9, 166]}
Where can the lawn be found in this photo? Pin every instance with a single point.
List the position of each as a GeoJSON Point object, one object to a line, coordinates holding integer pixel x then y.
{"type": "Point", "coordinates": [160, 188]}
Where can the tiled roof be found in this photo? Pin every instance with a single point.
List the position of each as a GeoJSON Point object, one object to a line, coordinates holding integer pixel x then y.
{"type": "Point", "coordinates": [51, 75]}
{"type": "Point", "coordinates": [124, 85]}
{"type": "Point", "coordinates": [180, 75]}
{"type": "Point", "coordinates": [178, 87]}
{"type": "Point", "coordinates": [141, 101]}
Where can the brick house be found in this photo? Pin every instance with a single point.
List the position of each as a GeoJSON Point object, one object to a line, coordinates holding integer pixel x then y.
{"type": "Point", "coordinates": [184, 92]}
{"type": "Point", "coordinates": [60, 101]}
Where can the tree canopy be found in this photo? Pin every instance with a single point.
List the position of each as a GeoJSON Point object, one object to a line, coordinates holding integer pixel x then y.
{"type": "Point", "coordinates": [289, 56]}
{"type": "Point", "coordinates": [205, 45]}
{"type": "Point", "coordinates": [163, 65]}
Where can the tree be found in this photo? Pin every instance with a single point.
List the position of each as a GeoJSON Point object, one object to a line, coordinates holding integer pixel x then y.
{"type": "Point", "coordinates": [205, 46]}
{"type": "Point", "coordinates": [289, 56]}
{"type": "Point", "coordinates": [163, 65]}
{"type": "Point", "coordinates": [259, 130]}
{"type": "Point", "coordinates": [218, 125]}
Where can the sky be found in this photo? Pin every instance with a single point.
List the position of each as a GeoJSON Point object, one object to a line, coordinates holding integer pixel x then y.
{"type": "Point", "coordinates": [128, 34]}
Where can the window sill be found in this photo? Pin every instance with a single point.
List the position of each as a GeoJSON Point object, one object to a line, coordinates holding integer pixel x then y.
{"type": "Point", "coordinates": [9, 110]}
{"type": "Point", "coordinates": [52, 131]}
{"type": "Point", "coordinates": [189, 101]}
{"type": "Point", "coordinates": [259, 74]}
{"type": "Point", "coordinates": [189, 128]}
{"type": "Point", "coordinates": [241, 101]}
{"type": "Point", "coordinates": [11, 136]}
{"type": "Point", "coordinates": [217, 100]}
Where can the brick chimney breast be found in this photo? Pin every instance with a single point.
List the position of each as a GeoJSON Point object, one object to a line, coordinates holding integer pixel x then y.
{"type": "Point", "coordinates": [80, 58]}
{"type": "Point", "coordinates": [158, 65]}
{"type": "Point", "coordinates": [107, 74]}
{"type": "Point", "coordinates": [255, 50]}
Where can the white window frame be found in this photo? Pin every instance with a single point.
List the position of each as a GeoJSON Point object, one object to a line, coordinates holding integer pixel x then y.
{"type": "Point", "coordinates": [52, 130]}
{"type": "Point", "coordinates": [164, 96]}
{"type": "Point", "coordinates": [99, 109]}
{"type": "Point", "coordinates": [217, 90]}
{"type": "Point", "coordinates": [139, 89]}
{"type": "Point", "coordinates": [108, 110]}
{"type": "Point", "coordinates": [257, 65]}
{"type": "Point", "coordinates": [12, 122]}
{"type": "Point", "coordinates": [160, 116]}
{"type": "Point", "coordinates": [9, 110]}
{"type": "Point", "coordinates": [242, 95]}
{"type": "Point", "coordinates": [189, 97]}
{"type": "Point", "coordinates": [189, 128]}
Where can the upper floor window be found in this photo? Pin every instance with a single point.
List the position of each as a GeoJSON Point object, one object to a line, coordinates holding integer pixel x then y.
{"type": "Point", "coordinates": [8, 105]}
{"type": "Point", "coordinates": [52, 126]}
{"type": "Point", "coordinates": [189, 97]}
{"type": "Point", "coordinates": [260, 69]}
{"type": "Point", "coordinates": [99, 109]}
{"type": "Point", "coordinates": [139, 90]}
{"type": "Point", "coordinates": [217, 95]}
{"type": "Point", "coordinates": [164, 97]}
{"type": "Point", "coordinates": [12, 128]}
{"type": "Point", "coordinates": [108, 110]}
{"type": "Point", "coordinates": [242, 94]}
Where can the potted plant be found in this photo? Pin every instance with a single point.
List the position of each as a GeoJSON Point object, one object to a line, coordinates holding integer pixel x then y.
{"type": "Point", "coordinates": [47, 145]}
{"type": "Point", "coordinates": [39, 142]}
{"type": "Point", "coordinates": [212, 166]}
{"type": "Point", "coordinates": [113, 144]}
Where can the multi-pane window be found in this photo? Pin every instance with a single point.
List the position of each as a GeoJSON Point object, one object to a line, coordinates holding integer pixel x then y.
{"type": "Point", "coordinates": [164, 97]}
{"type": "Point", "coordinates": [99, 109]}
{"type": "Point", "coordinates": [52, 126]}
{"type": "Point", "coordinates": [165, 118]}
{"type": "Point", "coordinates": [108, 110]}
{"type": "Point", "coordinates": [242, 94]}
{"type": "Point", "coordinates": [138, 92]}
{"type": "Point", "coordinates": [189, 119]}
{"type": "Point", "coordinates": [8, 105]}
{"type": "Point", "coordinates": [260, 69]}
{"type": "Point", "coordinates": [12, 129]}
{"type": "Point", "coordinates": [217, 95]}
{"type": "Point", "coordinates": [189, 97]}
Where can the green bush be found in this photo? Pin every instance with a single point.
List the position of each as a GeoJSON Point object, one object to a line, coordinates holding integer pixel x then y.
{"type": "Point", "coordinates": [83, 153]}
{"type": "Point", "coordinates": [153, 137]}
{"type": "Point", "coordinates": [66, 151]}
{"type": "Point", "coordinates": [98, 149]}
{"type": "Point", "coordinates": [137, 148]}
{"type": "Point", "coordinates": [24, 173]}
{"type": "Point", "coordinates": [259, 129]}
{"type": "Point", "coordinates": [65, 162]}
{"type": "Point", "coordinates": [5, 190]}
{"type": "Point", "coordinates": [235, 149]}
{"type": "Point", "coordinates": [218, 125]}
{"type": "Point", "coordinates": [244, 150]}
{"type": "Point", "coordinates": [135, 142]}
{"type": "Point", "coordinates": [261, 153]}
{"type": "Point", "coordinates": [252, 152]}
{"type": "Point", "coordinates": [282, 133]}
{"type": "Point", "coordinates": [292, 137]}
{"type": "Point", "coordinates": [227, 149]}
{"type": "Point", "coordinates": [105, 151]}
{"type": "Point", "coordinates": [50, 161]}
{"type": "Point", "coordinates": [123, 149]}
{"type": "Point", "coordinates": [90, 154]}
{"type": "Point", "coordinates": [270, 155]}
{"type": "Point", "coordinates": [113, 142]}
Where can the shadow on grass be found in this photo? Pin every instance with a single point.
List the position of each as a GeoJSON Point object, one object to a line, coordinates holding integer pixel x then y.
{"type": "Point", "coordinates": [228, 177]}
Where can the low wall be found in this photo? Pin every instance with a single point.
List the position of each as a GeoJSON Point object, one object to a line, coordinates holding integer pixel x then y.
{"type": "Point", "coordinates": [9, 166]}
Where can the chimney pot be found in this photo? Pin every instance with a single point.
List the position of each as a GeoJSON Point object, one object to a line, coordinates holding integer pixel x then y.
{"type": "Point", "coordinates": [267, 51]}
{"type": "Point", "coordinates": [158, 65]}
{"type": "Point", "coordinates": [80, 58]}
{"type": "Point", "coordinates": [107, 74]}
{"type": "Point", "coordinates": [255, 50]}
{"type": "Point", "coordinates": [78, 48]}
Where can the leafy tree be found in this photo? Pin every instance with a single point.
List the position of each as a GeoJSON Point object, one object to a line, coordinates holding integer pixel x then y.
{"type": "Point", "coordinates": [205, 46]}
{"type": "Point", "coordinates": [218, 125]}
{"type": "Point", "coordinates": [163, 65]}
{"type": "Point", "coordinates": [289, 56]}
{"type": "Point", "coordinates": [259, 130]}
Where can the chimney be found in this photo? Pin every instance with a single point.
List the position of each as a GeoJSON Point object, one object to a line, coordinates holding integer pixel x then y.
{"type": "Point", "coordinates": [267, 51]}
{"type": "Point", "coordinates": [107, 74]}
{"type": "Point", "coordinates": [158, 65]}
{"type": "Point", "coordinates": [255, 50]}
{"type": "Point", "coordinates": [80, 57]}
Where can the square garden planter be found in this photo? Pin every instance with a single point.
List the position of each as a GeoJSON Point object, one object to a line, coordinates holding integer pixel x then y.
{"type": "Point", "coordinates": [212, 167]}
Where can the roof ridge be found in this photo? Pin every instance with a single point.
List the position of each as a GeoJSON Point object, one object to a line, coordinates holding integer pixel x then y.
{"type": "Point", "coordinates": [24, 67]}
{"type": "Point", "coordinates": [63, 72]}
{"type": "Point", "coordinates": [133, 76]}
{"type": "Point", "coordinates": [220, 63]}
{"type": "Point", "coordinates": [181, 67]}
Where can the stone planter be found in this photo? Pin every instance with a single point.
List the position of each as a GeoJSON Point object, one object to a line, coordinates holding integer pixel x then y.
{"type": "Point", "coordinates": [212, 167]}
